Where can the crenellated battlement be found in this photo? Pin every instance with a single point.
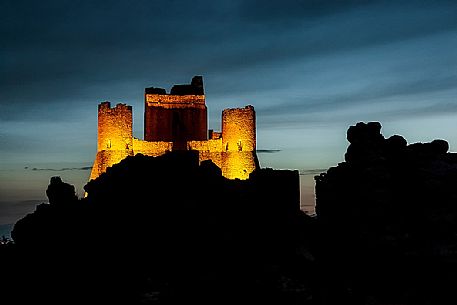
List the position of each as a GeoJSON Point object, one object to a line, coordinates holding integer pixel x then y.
{"type": "Point", "coordinates": [178, 121]}
{"type": "Point", "coordinates": [106, 107]}
{"type": "Point", "coordinates": [178, 117]}
{"type": "Point", "coordinates": [175, 101]}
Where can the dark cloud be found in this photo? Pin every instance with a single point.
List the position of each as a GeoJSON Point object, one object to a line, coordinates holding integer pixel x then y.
{"type": "Point", "coordinates": [62, 52]}
{"type": "Point", "coordinates": [268, 11]}
{"type": "Point", "coordinates": [356, 27]}
{"type": "Point", "coordinates": [84, 168]}
{"type": "Point", "coordinates": [10, 143]}
{"type": "Point", "coordinates": [391, 112]}
{"type": "Point", "coordinates": [267, 151]}
{"type": "Point", "coordinates": [104, 23]}
{"type": "Point", "coordinates": [367, 95]}
{"type": "Point", "coordinates": [420, 111]}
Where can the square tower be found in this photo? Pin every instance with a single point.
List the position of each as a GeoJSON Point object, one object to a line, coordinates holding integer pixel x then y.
{"type": "Point", "coordinates": [177, 117]}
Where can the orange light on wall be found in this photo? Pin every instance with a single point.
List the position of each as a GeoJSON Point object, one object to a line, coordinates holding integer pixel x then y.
{"type": "Point", "coordinates": [233, 149]}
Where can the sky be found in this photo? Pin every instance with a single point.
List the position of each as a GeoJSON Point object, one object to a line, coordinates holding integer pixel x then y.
{"type": "Point", "coordinates": [311, 69]}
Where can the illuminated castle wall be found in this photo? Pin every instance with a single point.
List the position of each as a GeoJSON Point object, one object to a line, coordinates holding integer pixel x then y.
{"type": "Point", "coordinates": [178, 121]}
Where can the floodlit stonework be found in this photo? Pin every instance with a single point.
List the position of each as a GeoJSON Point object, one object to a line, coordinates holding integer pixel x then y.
{"type": "Point", "coordinates": [178, 121]}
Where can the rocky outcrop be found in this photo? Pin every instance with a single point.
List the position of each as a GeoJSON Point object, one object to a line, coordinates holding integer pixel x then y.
{"type": "Point", "coordinates": [390, 210]}
{"type": "Point", "coordinates": [165, 230]}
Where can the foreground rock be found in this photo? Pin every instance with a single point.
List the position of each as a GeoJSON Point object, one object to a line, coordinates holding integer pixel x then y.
{"type": "Point", "coordinates": [389, 220]}
{"type": "Point", "coordinates": [166, 230]}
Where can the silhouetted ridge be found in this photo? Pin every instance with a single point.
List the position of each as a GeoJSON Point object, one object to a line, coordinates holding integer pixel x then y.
{"type": "Point", "coordinates": [392, 208]}
{"type": "Point", "coordinates": [166, 230]}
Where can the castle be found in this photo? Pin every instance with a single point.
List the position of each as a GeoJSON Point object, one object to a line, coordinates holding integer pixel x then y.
{"type": "Point", "coordinates": [178, 121]}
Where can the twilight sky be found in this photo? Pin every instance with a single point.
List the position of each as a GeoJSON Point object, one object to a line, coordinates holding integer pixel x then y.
{"type": "Point", "coordinates": [310, 68]}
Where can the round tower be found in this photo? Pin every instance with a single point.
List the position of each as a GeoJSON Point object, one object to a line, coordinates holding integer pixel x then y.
{"type": "Point", "coordinates": [238, 142]}
{"type": "Point", "coordinates": [114, 127]}
{"type": "Point", "coordinates": [238, 129]}
{"type": "Point", "coordinates": [115, 138]}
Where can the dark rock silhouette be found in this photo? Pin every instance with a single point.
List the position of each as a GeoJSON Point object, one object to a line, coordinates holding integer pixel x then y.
{"type": "Point", "coordinates": [59, 192]}
{"type": "Point", "coordinates": [166, 230]}
{"type": "Point", "coordinates": [388, 219]}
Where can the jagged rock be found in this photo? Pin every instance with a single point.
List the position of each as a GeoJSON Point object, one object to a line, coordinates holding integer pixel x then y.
{"type": "Point", "coordinates": [396, 143]}
{"type": "Point", "coordinates": [436, 147]}
{"type": "Point", "coordinates": [169, 226]}
{"type": "Point", "coordinates": [366, 140]}
{"type": "Point", "coordinates": [364, 133]}
{"type": "Point", "coordinates": [390, 211]}
{"type": "Point", "coordinates": [59, 192]}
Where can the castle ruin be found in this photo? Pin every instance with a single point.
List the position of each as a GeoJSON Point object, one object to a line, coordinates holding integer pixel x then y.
{"type": "Point", "coordinates": [178, 121]}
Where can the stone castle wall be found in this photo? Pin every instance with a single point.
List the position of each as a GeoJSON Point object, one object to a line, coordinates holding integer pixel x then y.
{"type": "Point", "coordinates": [114, 140]}
{"type": "Point", "coordinates": [175, 101]}
{"type": "Point", "coordinates": [238, 164]}
{"type": "Point", "coordinates": [153, 149]}
{"type": "Point", "coordinates": [178, 122]}
{"type": "Point", "coordinates": [238, 129]}
{"type": "Point", "coordinates": [175, 118]}
{"type": "Point", "coordinates": [238, 142]}
{"type": "Point", "coordinates": [107, 158]}
{"type": "Point", "coordinates": [114, 127]}
{"type": "Point", "coordinates": [208, 150]}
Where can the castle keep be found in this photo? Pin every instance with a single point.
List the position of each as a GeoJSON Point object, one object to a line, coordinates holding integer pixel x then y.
{"type": "Point", "coordinates": [178, 121]}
